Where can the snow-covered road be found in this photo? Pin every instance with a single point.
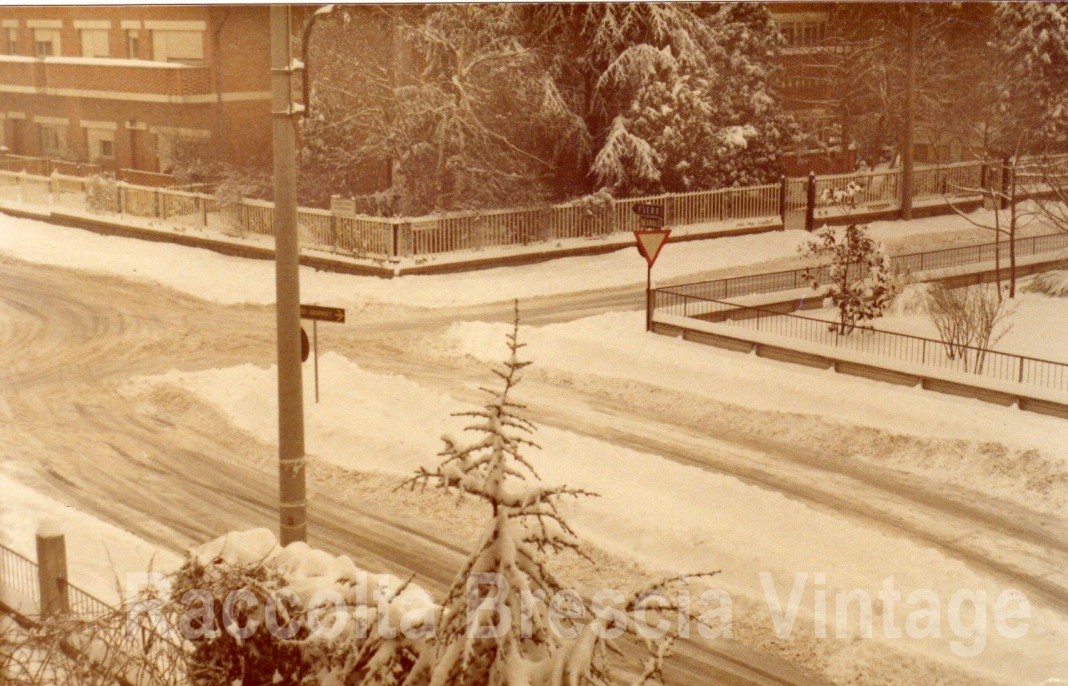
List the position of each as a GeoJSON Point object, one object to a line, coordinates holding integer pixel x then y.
{"type": "Point", "coordinates": [173, 471]}
{"type": "Point", "coordinates": [173, 468]}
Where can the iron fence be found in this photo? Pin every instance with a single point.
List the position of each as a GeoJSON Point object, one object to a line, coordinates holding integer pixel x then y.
{"type": "Point", "coordinates": [900, 347]}
{"type": "Point", "coordinates": [19, 573]}
{"type": "Point", "coordinates": [790, 279]}
{"type": "Point", "coordinates": [379, 238]}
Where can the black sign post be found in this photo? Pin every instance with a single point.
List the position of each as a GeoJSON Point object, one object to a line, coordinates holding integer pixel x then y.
{"type": "Point", "coordinates": [317, 314]}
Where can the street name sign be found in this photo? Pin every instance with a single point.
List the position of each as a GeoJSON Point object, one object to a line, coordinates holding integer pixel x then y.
{"type": "Point", "coordinates": [651, 242]}
{"type": "Point", "coordinates": [651, 210]}
{"type": "Point", "coordinates": [322, 314]}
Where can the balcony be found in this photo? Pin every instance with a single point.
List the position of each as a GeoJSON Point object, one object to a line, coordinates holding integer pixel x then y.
{"type": "Point", "coordinates": [112, 79]}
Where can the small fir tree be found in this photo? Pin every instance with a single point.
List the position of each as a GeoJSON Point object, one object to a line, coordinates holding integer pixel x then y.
{"type": "Point", "coordinates": [506, 575]}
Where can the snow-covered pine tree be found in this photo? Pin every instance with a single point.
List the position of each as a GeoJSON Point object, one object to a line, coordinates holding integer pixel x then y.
{"type": "Point", "coordinates": [525, 523]}
{"type": "Point", "coordinates": [506, 575]}
{"type": "Point", "coordinates": [1031, 39]}
{"type": "Point", "coordinates": [674, 96]}
{"type": "Point", "coordinates": [855, 275]}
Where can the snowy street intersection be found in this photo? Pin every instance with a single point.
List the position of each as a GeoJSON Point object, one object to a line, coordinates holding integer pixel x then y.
{"type": "Point", "coordinates": [136, 387]}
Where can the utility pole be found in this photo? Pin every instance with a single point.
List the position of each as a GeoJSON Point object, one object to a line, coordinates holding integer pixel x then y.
{"type": "Point", "coordinates": [910, 115]}
{"type": "Point", "coordinates": [292, 507]}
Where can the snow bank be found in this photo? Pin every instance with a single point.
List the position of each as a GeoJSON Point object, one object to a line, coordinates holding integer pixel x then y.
{"type": "Point", "coordinates": [615, 345]}
{"type": "Point", "coordinates": [1053, 283]}
{"type": "Point", "coordinates": [99, 555]}
{"type": "Point", "coordinates": [232, 280]}
{"type": "Point", "coordinates": [664, 514]}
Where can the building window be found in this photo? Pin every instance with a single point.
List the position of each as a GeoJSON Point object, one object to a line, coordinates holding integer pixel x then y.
{"type": "Point", "coordinates": [53, 140]}
{"type": "Point", "coordinates": [100, 144]}
{"type": "Point", "coordinates": [95, 43]}
{"type": "Point", "coordinates": [133, 44]}
{"type": "Point", "coordinates": [11, 40]}
{"type": "Point", "coordinates": [804, 32]}
{"type": "Point", "coordinates": [45, 42]}
{"type": "Point", "coordinates": [186, 47]}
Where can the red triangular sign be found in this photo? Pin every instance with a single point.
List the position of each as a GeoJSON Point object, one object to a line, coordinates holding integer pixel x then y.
{"type": "Point", "coordinates": [651, 242]}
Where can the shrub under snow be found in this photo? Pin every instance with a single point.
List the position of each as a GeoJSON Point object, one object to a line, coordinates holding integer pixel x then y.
{"type": "Point", "coordinates": [1053, 283]}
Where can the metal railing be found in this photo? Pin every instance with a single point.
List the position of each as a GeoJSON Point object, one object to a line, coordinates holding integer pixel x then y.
{"type": "Point", "coordinates": [20, 574]}
{"type": "Point", "coordinates": [380, 238]}
{"type": "Point", "coordinates": [900, 347]}
{"type": "Point", "coordinates": [791, 279]}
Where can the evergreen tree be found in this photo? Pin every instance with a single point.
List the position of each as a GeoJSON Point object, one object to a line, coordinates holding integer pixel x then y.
{"type": "Point", "coordinates": [507, 619]}
{"type": "Point", "coordinates": [674, 97]}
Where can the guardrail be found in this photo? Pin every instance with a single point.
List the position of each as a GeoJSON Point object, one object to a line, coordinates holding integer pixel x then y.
{"type": "Point", "coordinates": [791, 279]}
{"type": "Point", "coordinates": [900, 347]}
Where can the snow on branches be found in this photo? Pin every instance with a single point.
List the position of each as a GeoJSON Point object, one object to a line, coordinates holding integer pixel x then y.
{"type": "Point", "coordinates": [507, 619]}
{"type": "Point", "coordinates": [857, 276]}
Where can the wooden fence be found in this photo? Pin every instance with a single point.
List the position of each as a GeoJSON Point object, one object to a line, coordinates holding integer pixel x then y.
{"type": "Point", "coordinates": [343, 232]}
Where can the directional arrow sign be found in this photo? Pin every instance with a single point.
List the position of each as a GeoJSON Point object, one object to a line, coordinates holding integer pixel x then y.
{"type": "Point", "coordinates": [322, 314]}
{"type": "Point", "coordinates": [648, 209]}
{"type": "Point", "coordinates": [650, 243]}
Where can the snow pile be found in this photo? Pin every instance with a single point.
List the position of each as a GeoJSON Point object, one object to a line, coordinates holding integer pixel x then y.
{"type": "Point", "coordinates": [315, 575]}
{"type": "Point", "coordinates": [100, 556]}
{"type": "Point", "coordinates": [910, 300]}
{"type": "Point", "coordinates": [1010, 454]}
{"type": "Point", "coordinates": [663, 514]}
{"type": "Point", "coordinates": [1054, 283]}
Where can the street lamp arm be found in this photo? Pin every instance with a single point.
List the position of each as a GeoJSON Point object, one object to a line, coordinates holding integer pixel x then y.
{"type": "Point", "coordinates": [323, 11]}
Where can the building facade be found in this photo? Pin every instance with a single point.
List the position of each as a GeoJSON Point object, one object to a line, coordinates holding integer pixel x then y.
{"type": "Point", "coordinates": [133, 87]}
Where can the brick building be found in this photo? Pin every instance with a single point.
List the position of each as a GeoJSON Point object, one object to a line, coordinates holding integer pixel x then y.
{"type": "Point", "coordinates": [127, 87]}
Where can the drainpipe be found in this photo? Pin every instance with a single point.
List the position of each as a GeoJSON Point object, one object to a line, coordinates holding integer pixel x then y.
{"type": "Point", "coordinates": [217, 67]}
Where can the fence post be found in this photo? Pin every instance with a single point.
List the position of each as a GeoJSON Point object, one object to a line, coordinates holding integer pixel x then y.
{"type": "Point", "coordinates": [161, 209]}
{"type": "Point", "coordinates": [203, 210]}
{"type": "Point", "coordinates": [649, 300]}
{"type": "Point", "coordinates": [1019, 377]}
{"type": "Point", "coordinates": [52, 572]}
{"type": "Point", "coordinates": [782, 200]}
{"type": "Point", "coordinates": [53, 187]}
{"type": "Point", "coordinates": [810, 203]}
{"type": "Point", "coordinates": [122, 198]}
{"type": "Point", "coordinates": [394, 243]}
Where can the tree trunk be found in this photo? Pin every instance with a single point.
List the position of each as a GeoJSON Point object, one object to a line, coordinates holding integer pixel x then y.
{"type": "Point", "coordinates": [1012, 231]}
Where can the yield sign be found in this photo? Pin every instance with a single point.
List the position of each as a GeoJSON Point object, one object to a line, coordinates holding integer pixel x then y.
{"type": "Point", "coordinates": [650, 243]}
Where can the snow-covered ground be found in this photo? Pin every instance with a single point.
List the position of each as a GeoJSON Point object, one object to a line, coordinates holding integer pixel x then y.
{"type": "Point", "coordinates": [99, 555]}
{"type": "Point", "coordinates": [666, 515]}
{"type": "Point", "coordinates": [232, 280]}
{"type": "Point", "coordinates": [661, 513]}
{"type": "Point", "coordinates": [1034, 327]}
